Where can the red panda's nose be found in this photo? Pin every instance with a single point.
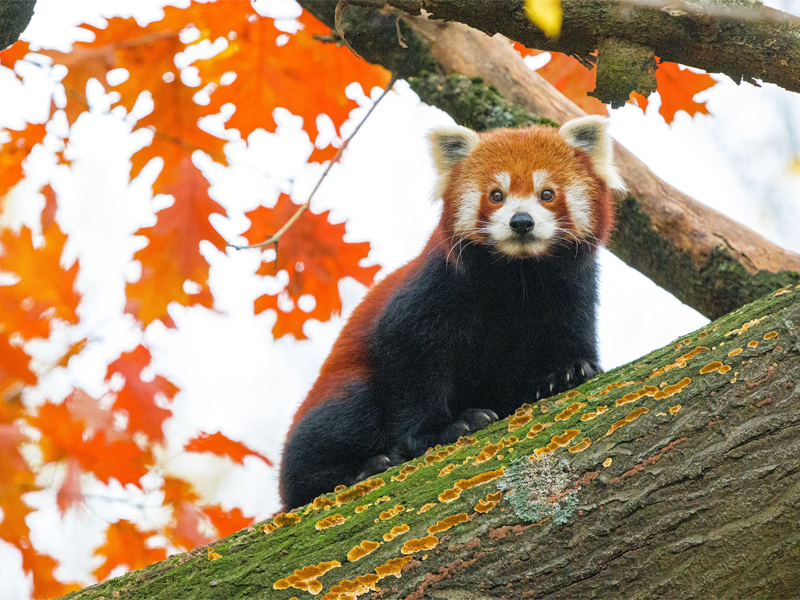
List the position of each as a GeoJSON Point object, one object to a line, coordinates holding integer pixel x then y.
{"type": "Point", "coordinates": [521, 222]}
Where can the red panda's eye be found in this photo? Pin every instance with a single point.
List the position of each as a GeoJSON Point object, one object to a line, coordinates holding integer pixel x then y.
{"type": "Point", "coordinates": [497, 196]}
{"type": "Point", "coordinates": [547, 195]}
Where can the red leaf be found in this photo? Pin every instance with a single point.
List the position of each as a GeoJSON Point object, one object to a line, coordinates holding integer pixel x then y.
{"type": "Point", "coordinates": [126, 546]}
{"type": "Point", "coordinates": [69, 493]}
{"type": "Point", "coordinates": [227, 521]}
{"type": "Point", "coordinates": [14, 370]}
{"type": "Point", "coordinates": [14, 152]}
{"type": "Point", "coordinates": [138, 398]}
{"type": "Point", "coordinates": [187, 518]}
{"type": "Point", "coordinates": [218, 444]}
{"type": "Point", "coordinates": [172, 255]}
{"type": "Point", "coordinates": [315, 256]}
{"type": "Point", "coordinates": [44, 290]}
{"type": "Point", "coordinates": [677, 88]}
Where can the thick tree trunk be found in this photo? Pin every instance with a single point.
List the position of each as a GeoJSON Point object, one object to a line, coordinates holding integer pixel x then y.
{"type": "Point", "coordinates": [674, 476]}
{"type": "Point", "coordinates": [704, 258]}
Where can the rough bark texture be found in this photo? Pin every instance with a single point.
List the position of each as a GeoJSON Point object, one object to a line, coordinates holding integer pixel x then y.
{"type": "Point", "coordinates": [741, 38]}
{"type": "Point", "coordinates": [707, 260]}
{"type": "Point", "coordinates": [674, 476]}
{"type": "Point", "coordinates": [14, 18]}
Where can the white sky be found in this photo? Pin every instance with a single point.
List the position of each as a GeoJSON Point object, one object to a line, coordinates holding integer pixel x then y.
{"type": "Point", "coordinates": [233, 376]}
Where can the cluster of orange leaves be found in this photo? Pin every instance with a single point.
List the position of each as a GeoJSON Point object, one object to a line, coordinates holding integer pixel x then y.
{"type": "Point", "coordinates": [120, 436]}
{"type": "Point", "coordinates": [676, 86]}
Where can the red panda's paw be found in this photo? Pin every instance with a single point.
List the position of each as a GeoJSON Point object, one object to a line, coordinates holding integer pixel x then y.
{"type": "Point", "coordinates": [373, 466]}
{"type": "Point", "coordinates": [568, 378]}
{"type": "Point", "coordinates": [470, 421]}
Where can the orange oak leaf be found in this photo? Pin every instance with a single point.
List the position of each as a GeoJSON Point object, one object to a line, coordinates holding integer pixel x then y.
{"type": "Point", "coordinates": [15, 372]}
{"type": "Point", "coordinates": [106, 456]}
{"type": "Point", "coordinates": [219, 444]}
{"type": "Point", "coordinates": [172, 256]}
{"type": "Point", "coordinates": [148, 54]}
{"type": "Point", "coordinates": [227, 521]}
{"type": "Point", "coordinates": [677, 87]}
{"type": "Point", "coordinates": [44, 291]}
{"type": "Point", "coordinates": [303, 75]}
{"type": "Point", "coordinates": [139, 398]}
{"type": "Point", "coordinates": [14, 152]}
{"type": "Point", "coordinates": [41, 567]}
{"type": "Point", "coordinates": [13, 53]}
{"type": "Point", "coordinates": [185, 530]}
{"type": "Point", "coordinates": [127, 546]}
{"type": "Point", "coordinates": [315, 256]}
{"type": "Point", "coordinates": [569, 77]}
{"type": "Point", "coordinates": [16, 479]}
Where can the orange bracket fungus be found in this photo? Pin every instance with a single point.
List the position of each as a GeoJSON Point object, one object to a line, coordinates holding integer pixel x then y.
{"type": "Point", "coordinates": [267, 528]}
{"type": "Point", "coordinates": [329, 521]}
{"type": "Point", "coordinates": [391, 512]}
{"type": "Point", "coordinates": [426, 507]}
{"type": "Point", "coordinates": [521, 417]}
{"type": "Point", "coordinates": [395, 531]}
{"type": "Point", "coordinates": [464, 484]}
{"type": "Point", "coordinates": [360, 551]}
{"type": "Point", "coordinates": [429, 542]}
{"type": "Point", "coordinates": [715, 367]}
{"type": "Point", "coordinates": [537, 428]}
{"type": "Point", "coordinates": [770, 335]}
{"type": "Point", "coordinates": [306, 578]}
{"type": "Point", "coordinates": [487, 504]}
{"type": "Point", "coordinates": [556, 442]}
{"type": "Point", "coordinates": [580, 446]}
{"type": "Point", "coordinates": [213, 555]}
{"type": "Point", "coordinates": [286, 519]}
{"type": "Point", "coordinates": [632, 416]}
{"type": "Point", "coordinates": [448, 522]}
{"type": "Point", "coordinates": [599, 410]}
{"type": "Point", "coordinates": [569, 411]}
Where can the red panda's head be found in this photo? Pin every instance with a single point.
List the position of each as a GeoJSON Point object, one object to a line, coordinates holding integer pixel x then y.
{"type": "Point", "coordinates": [524, 192]}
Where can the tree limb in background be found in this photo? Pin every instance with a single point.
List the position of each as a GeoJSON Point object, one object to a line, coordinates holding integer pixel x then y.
{"type": "Point", "coordinates": [740, 38]}
{"type": "Point", "coordinates": [704, 258]}
{"type": "Point", "coordinates": [14, 18]}
{"type": "Point", "coordinates": [674, 476]}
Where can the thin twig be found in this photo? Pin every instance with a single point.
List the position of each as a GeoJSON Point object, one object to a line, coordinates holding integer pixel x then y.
{"type": "Point", "coordinates": [337, 22]}
{"type": "Point", "coordinates": [273, 239]}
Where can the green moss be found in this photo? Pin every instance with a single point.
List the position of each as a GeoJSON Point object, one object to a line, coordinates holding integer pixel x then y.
{"type": "Point", "coordinates": [623, 67]}
{"type": "Point", "coordinates": [471, 102]}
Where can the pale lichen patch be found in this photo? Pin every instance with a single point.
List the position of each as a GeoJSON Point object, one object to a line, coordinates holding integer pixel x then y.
{"type": "Point", "coordinates": [540, 489]}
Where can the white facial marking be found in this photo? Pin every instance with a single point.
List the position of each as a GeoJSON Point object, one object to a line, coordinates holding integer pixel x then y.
{"type": "Point", "coordinates": [580, 207]}
{"type": "Point", "coordinates": [503, 180]}
{"type": "Point", "coordinates": [539, 179]}
{"type": "Point", "coordinates": [508, 242]}
{"type": "Point", "coordinates": [467, 211]}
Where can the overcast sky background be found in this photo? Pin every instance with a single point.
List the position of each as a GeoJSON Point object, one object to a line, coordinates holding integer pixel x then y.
{"type": "Point", "coordinates": [233, 376]}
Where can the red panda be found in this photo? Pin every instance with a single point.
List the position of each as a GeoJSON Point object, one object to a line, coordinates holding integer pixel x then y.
{"type": "Point", "coordinates": [497, 310]}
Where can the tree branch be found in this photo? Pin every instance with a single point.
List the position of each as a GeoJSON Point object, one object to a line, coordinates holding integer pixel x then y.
{"type": "Point", "coordinates": [704, 258]}
{"type": "Point", "coordinates": [674, 476]}
{"type": "Point", "coordinates": [743, 39]}
{"type": "Point", "coordinates": [14, 18]}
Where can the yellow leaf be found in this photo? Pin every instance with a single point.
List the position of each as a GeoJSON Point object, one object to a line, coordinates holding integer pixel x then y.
{"type": "Point", "coordinates": [546, 15]}
{"type": "Point", "coordinates": [794, 166]}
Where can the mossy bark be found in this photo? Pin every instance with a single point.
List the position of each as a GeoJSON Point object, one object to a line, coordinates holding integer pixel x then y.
{"type": "Point", "coordinates": [14, 18]}
{"type": "Point", "coordinates": [707, 260]}
{"type": "Point", "coordinates": [677, 475]}
{"type": "Point", "coordinates": [741, 38]}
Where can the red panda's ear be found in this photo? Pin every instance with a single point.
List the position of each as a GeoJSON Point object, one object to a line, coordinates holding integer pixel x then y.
{"type": "Point", "coordinates": [449, 145]}
{"type": "Point", "coordinates": [590, 134]}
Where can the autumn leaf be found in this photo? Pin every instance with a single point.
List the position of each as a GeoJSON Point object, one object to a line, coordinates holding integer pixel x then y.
{"type": "Point", "coordinates": [219, 444]}
{"type": "Point", "coordinates": [126, 546]}
{"type": "Point", "coordinates": [546, 15]}
{"type": "Point", "coordinates": [15, 371]}
{"type": "Point", "coordinates": [677, 87]}
{"type": "Point", "coordinates": [15, 52]}
{"type": "Point", "coordinates": [569, 77]}
{"type": "Point", "coordinates": [303, 75]}
{"type": "Point", "coordinates": [42, 567]}
{"type": "Point", "coordinates": [44, 291]}
{"type": "Point", "coordinates": [315, 257]}
{"type": "Point", "coordinates": [172, 255]}
{"type": "Point", "coordinates": [187, 519]}
{"type": "Point", "coordinates": [69, 492]}
{"type": "Point", "coordinates": [227, 521]}
{"type": "Point", "coordinates": [14, 152]}
{"type": "Point", "coordinates": [138, 398]}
